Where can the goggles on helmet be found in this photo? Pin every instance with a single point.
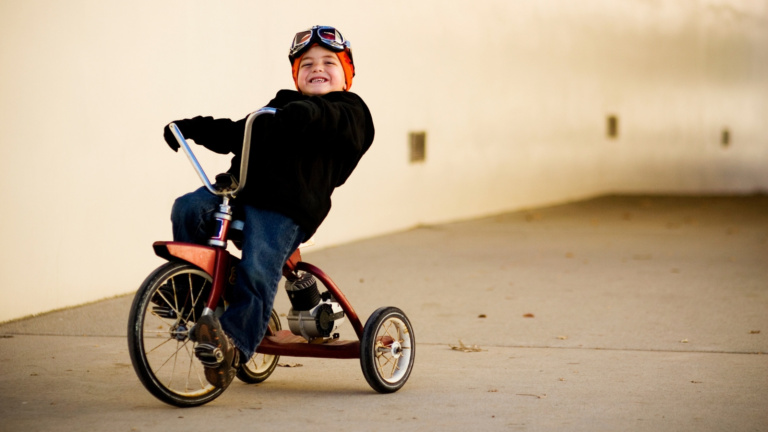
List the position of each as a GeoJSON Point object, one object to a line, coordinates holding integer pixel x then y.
{"type": "Point", "coordinates": [325, 36]}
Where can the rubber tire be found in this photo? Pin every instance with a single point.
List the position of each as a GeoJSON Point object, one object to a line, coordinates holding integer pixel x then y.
{"type": "Point", "coordinates": [370, 356]}
{"type": "Point", "coordinates": [259, 367]}
{"type": "Point", "coordinates": [182, 381]}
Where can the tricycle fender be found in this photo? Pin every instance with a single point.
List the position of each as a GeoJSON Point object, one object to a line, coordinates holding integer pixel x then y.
{"type": "Point", "coordinates": [199, 255]}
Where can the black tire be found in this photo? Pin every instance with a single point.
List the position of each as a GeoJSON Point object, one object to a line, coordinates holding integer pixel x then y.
{"type": "Point", "coordinates": [259, 367]}
{"type": "Point", "coordinates": [387, 349]}
{"type": "Point", "coordinates": [165, 308]}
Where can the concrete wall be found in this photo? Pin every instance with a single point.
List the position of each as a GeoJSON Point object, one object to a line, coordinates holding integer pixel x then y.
{"type": "Point", "coordinates": [513, 95]}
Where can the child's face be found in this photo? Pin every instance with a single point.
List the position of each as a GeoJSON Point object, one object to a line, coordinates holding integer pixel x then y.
{"type": "Point", "coordinates": [320, 72]}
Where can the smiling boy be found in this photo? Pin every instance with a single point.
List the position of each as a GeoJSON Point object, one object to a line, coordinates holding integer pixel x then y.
{"type": "Point", "coordinates": [320, 72]}
{"type": "Point", "coordinates": [298, 157]}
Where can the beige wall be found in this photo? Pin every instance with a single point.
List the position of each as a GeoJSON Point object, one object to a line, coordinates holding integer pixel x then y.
{"type": "Point", "coordinates": [513, 95]}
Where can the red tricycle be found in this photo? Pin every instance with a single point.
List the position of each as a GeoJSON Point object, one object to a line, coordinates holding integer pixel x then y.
{"type": "Point", "coordinates": [194, 282]}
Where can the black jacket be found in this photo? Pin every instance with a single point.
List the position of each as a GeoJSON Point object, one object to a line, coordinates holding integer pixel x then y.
{"type": "Point", "coordinates": [299, 156]}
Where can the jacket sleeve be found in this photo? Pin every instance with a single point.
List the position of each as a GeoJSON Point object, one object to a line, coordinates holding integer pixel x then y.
{"type": "Point", "coordinates": [222, 136]}
{"type": "Point", "coordinates": [340, 120]}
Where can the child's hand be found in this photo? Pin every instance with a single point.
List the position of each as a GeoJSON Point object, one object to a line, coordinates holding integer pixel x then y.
{"type": "Point", "coordinates": [170, 138]}
{"type": "Point", "coordinates": [190, 128]}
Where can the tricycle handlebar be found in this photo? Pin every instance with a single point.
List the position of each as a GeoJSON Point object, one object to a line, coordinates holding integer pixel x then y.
{"type": "Point", "coordinates": [244, 155]}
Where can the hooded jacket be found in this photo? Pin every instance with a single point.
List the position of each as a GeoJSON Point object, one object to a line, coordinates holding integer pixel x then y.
{"type": "Point", "coordinates": [298, 156]}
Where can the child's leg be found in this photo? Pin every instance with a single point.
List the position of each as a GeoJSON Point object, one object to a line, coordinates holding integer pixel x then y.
{"type": "Point", "coordinates": [192, 216]}
{"type": "Point", "coordinates": [269, 238]}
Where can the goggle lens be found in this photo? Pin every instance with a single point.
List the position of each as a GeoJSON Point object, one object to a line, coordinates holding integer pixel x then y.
{"type": "Point", "coordinates": [325, 36]}
{"type": "Point", "coordinates": [331, 35]}
{"type": "Point", "coordinates": [302, 38]}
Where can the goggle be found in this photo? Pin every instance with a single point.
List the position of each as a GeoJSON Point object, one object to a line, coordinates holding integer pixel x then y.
{"type": "Point", "coordinates": [325, 36]}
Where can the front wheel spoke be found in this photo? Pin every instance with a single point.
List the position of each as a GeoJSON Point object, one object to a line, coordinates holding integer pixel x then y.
{"type": "Point", "coordinates": [190, 317]}
{"type": "Point", "coordinates": [174, 305]}
{"type": "Point", "coordinates": [175, 297]}
{"type": "Point", "coordinates": [172, 355]}
{"type": "Point", "coordinates": [167, 302]}
{"type": "Point", "coordinates": [192, 368]}
{"type": "Point", "coordinates": [194, 299]}
{"type": "Point", "coordinates": [165, 341]}
{"type": "Point", "coordinates": [158, 332]}
{"type": "Point", "coordinates": [164, 322]}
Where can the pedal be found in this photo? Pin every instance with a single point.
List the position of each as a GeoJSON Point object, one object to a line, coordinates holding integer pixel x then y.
{"type": "Point", "coordinates": [209, 355]}
{"type": "Point", "coordinates": [164, 312]}
{"type": "Point", "coordinates": [162, 298]}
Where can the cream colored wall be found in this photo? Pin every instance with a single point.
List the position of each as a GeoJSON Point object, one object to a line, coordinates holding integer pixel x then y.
{"type": "Point", "coordinates": [513, 95]}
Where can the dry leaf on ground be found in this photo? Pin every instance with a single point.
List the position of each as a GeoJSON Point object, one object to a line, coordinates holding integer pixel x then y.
{"type": "Point", "coordinates": [463, 348]}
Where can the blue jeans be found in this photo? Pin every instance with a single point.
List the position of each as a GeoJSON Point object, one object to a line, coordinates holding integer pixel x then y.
{"type": "Point", "coordinates": [269, 239]}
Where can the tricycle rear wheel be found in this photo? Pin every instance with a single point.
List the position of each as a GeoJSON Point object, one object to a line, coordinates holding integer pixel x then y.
{"type": "Point", "coordinates": [260, 366]}
{"type": "Point", "coordinates": [387, 349]}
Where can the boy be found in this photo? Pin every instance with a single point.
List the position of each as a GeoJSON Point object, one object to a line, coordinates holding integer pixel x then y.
{"type": "Point", "coordinates": [298, 157]}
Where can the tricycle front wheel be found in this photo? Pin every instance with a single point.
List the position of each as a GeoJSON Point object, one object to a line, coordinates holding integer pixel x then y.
{"type": "Point", "coordinates": [166, 307]}
{"type": "Point", "coordinates": [387, 349]}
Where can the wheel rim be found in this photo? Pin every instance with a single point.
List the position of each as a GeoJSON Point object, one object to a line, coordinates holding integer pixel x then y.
{"type": "Point", "coordinates": [167, 321]}
{"type": "Point", "coordinates": [260, 363]}
{"type": "Point", "coordinates": [392, 351]}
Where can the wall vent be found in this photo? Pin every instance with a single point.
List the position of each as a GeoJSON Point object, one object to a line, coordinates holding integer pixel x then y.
{"type": "Point", "coordinates": [418, 146]}
{"type": "Point", "coordinates": [725, 138]}
{"type": "Point", "coordinates": [612, 126]}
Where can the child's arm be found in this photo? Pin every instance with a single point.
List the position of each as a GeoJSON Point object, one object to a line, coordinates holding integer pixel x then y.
{"type": "Point", "coordinates": [340, 120]}
{"type": "Point", "coordinates": [338, 124]}
{"type": "Point", "coordinates": [218, 135]}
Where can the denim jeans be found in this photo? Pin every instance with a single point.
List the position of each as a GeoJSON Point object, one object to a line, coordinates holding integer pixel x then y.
{"type": "Point", "coordinates": [269, 238]}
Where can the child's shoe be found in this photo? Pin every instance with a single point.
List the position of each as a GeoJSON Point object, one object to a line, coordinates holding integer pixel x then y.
{"type": "Point", "coordinates": [215, 351]}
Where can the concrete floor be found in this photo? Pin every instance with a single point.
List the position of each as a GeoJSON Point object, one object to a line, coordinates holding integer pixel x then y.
{"type": "Point", "coordinates": [640, 313]}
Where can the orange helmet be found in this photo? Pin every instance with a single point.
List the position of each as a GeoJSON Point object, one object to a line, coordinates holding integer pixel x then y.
{"type": "Point", "coordinates": [326, 37]}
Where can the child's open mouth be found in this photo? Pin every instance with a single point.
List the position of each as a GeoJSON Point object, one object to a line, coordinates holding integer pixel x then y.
{"type": "Point", "coordinates": [317, 80]}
